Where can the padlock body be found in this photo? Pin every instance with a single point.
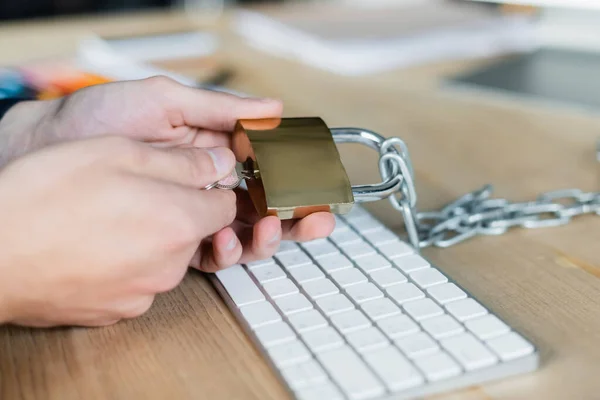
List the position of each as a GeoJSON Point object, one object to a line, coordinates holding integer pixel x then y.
{"type": "Point", "coordinates": [298, 169]}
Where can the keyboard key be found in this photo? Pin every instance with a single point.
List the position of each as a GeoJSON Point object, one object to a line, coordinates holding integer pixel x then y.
{"type": "Point", "coordinates": [388, 277]}
{"type": "Point", "coordinates": [398, 326]}
{"type": "Point", "coordinates": [423, 309]}
{"type": "Point", "coordinates": [240, 287]}
{"type": "Point", "coordinates": [380, 308]}
{"type": "Point", "coordinates": [366, 224]}
{"type": "Point", "coordinates": [325, 391]}
{"type": "Point", "coordinates": [268, 273]}
{"type": "Point", "coordinates": [446, 293]}
{"type": "Point", "coordinates": [340, 225]}
{"type": "Point", "coordinates": [293, 260]}
{"type": "Point", "coordinates": [394, 250]}
{"type": "Point", "coordinates": [394, 369]}
{"type": "Point", "coordinates": [287, 246]}
{"type": "Point", "coordinates": [259, 314]}
{"type": "Point", "coordinates": [510, 346]}
{"type": "Point", "coordinates": [290, 353]}
{"type": "Point", "coordinates": [367, 339]}
{"type": "Point", "coordinates": [357, 249]}
{"type": "Point", "coordinates": [337, 303]}
{"type": "Point", "coordinates": [348, 277]}
{"type": "Point", "coordinates": [428, 277]}
{"type": "Point", "coordinates": [350, 321]}
{"type": "Point", "coordinates": [357, 212]}
{"type": "Point", "coordinates": [308, 373]}
{"type": "Point", "coordinates": [293, 304]}
{"type": "Point", "coordinates": [320, 288]}
{"type": "Point", "coordinates": [321, 248]}
{"type": "Point", "coordinates": [466, 309]}
{"type": "Point", "coordinates": [322, 339]}
{"type": "Point", "coordinates": [351, 373]}
{"type": "Point", "coordinates": [306, 273]}
{"type": "Point", "coordinates": [411, 262]}
{"type": "Point", "coordinates": [307, 321]}
{"type": "Point", "coordinates": [381, 236]}
{"type": "Point", "coordinates": [260, 263]}
{"type": "Point", "coordinates": [405, 292]}
{"type": "Point", "coordinates": [274, 334]}
{"type": "Point", "coordinates": [438, 366]}
{"type": "Point", "coordinates": [442, 326]}
{"type": "Point", "coordinates": [372, 263]}
{"type": "Point", "coordinates": [364, 292]}
{"type": "Point", "coordinates": [335, 262]}
{"type": "Point", "coordinates": [417, 345]}
{"type": "Point", "coordinates": [280, 288]}
{"type": "Point", "coordinates": [344, 236]}
{"type": "Point", "coordinates": [470, 352]}
{"type": "Point", "coordinates": [487, 327]}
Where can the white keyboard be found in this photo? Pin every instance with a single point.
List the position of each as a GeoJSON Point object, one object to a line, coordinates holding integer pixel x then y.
{"type": "Point", "coordinates": [360, 315]}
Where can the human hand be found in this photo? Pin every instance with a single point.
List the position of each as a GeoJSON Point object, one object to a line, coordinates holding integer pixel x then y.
{"type": "Point", "coordinates": [93, 229]}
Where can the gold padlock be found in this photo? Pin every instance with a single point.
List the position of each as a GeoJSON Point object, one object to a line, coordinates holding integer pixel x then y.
{"type": "Point", "coordinates": [294, 166]}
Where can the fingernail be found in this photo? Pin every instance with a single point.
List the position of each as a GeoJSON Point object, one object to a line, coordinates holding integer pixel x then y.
{"type": "Point", "coordinates": [275, 238]}
{"type": "Point", "coordinates": [221, 159]}
{"type": "Point", "coordinates": [231, 245]}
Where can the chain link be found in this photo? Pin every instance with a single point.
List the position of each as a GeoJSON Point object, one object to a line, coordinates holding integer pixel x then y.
{"type": "Point", "coordinates": [476, 213]}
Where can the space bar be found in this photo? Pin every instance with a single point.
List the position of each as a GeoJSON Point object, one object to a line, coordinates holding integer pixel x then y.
{"type": "Point", "coordinates": [240, 287]}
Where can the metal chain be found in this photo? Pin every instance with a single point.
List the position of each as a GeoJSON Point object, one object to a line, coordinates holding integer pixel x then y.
{"type": "Point", "coordinates": [476, 213]}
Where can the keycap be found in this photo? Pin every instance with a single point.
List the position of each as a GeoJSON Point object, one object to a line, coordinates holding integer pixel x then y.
{"type": "Point", "coordinates": [344, 236]}
{"type": "Point", "coordinates": [357, 249]}
{"type": "Point", "coordinates": [293, 303]}
{"type": "Point", "coordinates": [293, 260]}
{"type": "Point", "coordinates": [466, 309]}
{"type": "Point", "coordinates": [380, 308]}
{"type": "Point", "coordinates": [417, 345]}
{"type": "Point", "coordinates": [394, 250]}
{"type": "Point", "coordinates": [372, 263]}
{"type": "Point", "coordinates": [428, 277]}
{"type": "Point", "coordinates": [268, 273]}
{"type": "Point", "coordinates": [321, 248]}
{"type": "Point", "coordinates": [239, 286]}
{"type": "Point", "coordinates": [340, 225]}
{"type": "Point", "coordinates": [274, 334]}
{"type": "Point", "coordinates": [334, 262]}
{"type": "Point", "coordinates": [322, 339]}
{"type": "Point", "coordinates": [442, 326]}
{"type": "Point", "coordinates": [388, 277]}
{"type": "Point", "coordinates": [307, 321]}
{"type": "Point", "coordinates": [487, 327]}
{"type": "Point", "coordinates": [394, 369]}
{"type": "Point", "coordinates": [422, 309]}
{"type": "Point", "coordinates": [260, 263]}
{"type": "Point", "coordinates": [306, 273]}
{"type": "Point", "coordinates": [350, 321]}
{"type": "Point", "coordinates": [290, 353]}
{"type": "Point", "coordinates": [337, 303]}
{"type": "Point", "coordinates": [470, 352]}
{"type": "Point", "coordinates": [397, 326]}
{"type": "Point", "coordinates": [348, 277]}
{"type": "Point", "coordinates": [411, 262]}
{"type": "Point", "coordinates": [381, 236]}
{"type": "Point", "coordinates": [280, 288]}
{"type": "Point", "coordinates": [259, 314]}
{"type": "Point", "coordinates": [287, 246]}
{"type": "Point", "coordinates": [325, 391]}
{"type": "Point", "coordinates": [510, 346]}
{"type": "Point", "coordinates": [404, 292]}
{"type": "Point", "coordinates": [357, 212]}
{"type": "Point", "coordinates": [364, 292]}
{"type": "Point", "coordinates": [367, 339]}
{"type": "Point", "coordinates": [438, 366]}
{"type": "Point", "coordinates": [446, 293]}
{"type": "Point", "coordinates": [320, 288]}
{"type": "Point", "coordinates": [301, 375]}
{"type": "Point", "coordinates": [350, 372]}
{"type": "Point", "coordinates": [366, 224]}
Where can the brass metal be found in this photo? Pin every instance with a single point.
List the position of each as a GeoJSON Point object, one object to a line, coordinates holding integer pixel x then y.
{"type": "Point", "coordinates": [297, 167]}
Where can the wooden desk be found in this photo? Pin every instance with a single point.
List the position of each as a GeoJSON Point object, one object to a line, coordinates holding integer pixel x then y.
{"type": "Point", "coordinates": [544, 282]}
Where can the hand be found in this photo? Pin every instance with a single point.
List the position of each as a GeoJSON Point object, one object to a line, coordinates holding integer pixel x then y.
{"type": "Point", "coordinates": [93, 229]}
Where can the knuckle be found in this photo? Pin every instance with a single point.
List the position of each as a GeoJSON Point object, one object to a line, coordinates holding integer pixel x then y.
{"type": "Point", "coordinates": [139, 307]}
{"type": "Point", "coordinates": [229, 204]}
{"type": "Point", "coordinates": [180, 233]}
{"type": "Point", "coordinates": [159, 82]}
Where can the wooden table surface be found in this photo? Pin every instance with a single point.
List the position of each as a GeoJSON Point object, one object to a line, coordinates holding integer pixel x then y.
{"type": "Point", "coordinates": [545, 283]}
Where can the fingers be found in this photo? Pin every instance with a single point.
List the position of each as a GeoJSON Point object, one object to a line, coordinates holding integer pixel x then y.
{"type": "Point", "coordinates": [223, 251]}
{"type": "Point", "coordinates": [314, 226]}
{"type": "Point", "coordinates": [207, 109]}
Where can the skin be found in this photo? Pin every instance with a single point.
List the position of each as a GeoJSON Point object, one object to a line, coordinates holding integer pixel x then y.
{"type": "Point", "coordinates": [127, 159]}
